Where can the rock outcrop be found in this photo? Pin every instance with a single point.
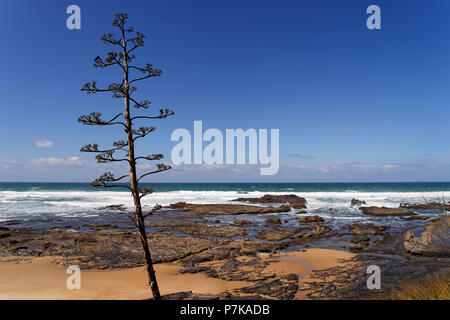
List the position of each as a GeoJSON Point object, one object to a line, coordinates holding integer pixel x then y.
{"type": "Point", "coordinates": [319, 230]}
{"type": "Point", "coordinates": [119, 207]}
{"type": "Point", "coordinates": [415, 217]}
{"type": "Point", "coordinates": [274, 234]}
{"type": "Point", "coordinates": [384, 211]}
{"type": "Point", "coordinates": [309, 219]}
{"type": "Point", "coordinates": [292, 200]}
{"type": "Point", "coordinates": [282, 288]}
{"type": "Point", "coordinates": [427, 206]}
{"type": "Point", "coordinates": [431, 239]}
{"type": "Point", "coordinates": [102, 249]}
{"type": "Point", "coordinates": [241, 222]}
{"type": "Point", "coordinates": [202, 229]}
{"type": "Point", "coordinates": [241, 247]}
{"type": "Point", "coordinates": [367, 229]}
{"type": "Point", "coordinates": [357, 203]}
{"type": "Point", "coordinates": [224, 209]}
{"type": "Point", "coordinates": [273, 220]}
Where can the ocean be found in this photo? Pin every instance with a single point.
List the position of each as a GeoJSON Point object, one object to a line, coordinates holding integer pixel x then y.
{"type": "Point", "coordinates": [73, 201]}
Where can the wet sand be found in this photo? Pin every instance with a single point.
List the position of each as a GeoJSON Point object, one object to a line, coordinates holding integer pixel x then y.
{"type": "Point", "coordinates": [44, 278]}
{"type": "Point", "coordinates": [304, 262]}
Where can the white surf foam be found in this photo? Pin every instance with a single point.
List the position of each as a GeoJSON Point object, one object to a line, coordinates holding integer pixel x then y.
{"type": "Point", "coordinates": [15, 204]}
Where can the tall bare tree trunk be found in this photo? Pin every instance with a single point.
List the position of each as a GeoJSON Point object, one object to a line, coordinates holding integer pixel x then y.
{"type": "Point", "coordinates": [139, 219]}
{"type": "Point", "coordinates": [125, 89]}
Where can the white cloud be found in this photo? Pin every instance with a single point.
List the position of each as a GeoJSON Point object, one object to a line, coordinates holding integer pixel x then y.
{"type": "Point", "coordinates": [44, 144]}
{"type": "Point", "coordinates": [216, 168]}
{"type": "Point", "coordinates": [361, 168]}
{"type": "Point", "coordinates": [302, 156]}
{"type": "Point", "coordinates": [68, 162]}
{"type": "Point", "coordinates": [6, 163]}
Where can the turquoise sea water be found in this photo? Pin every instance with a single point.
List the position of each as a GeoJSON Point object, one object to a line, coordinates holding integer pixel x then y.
{"type": "Point", "coordinates": [263, 187]}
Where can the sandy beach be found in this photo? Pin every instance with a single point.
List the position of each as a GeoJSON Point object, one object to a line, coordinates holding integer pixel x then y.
{"type": "Point", "coordinates": [224, 251]}
{"type": "Point", "coordinates": [45, 278]}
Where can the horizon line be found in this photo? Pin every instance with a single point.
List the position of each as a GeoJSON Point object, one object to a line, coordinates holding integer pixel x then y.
{"type": "Point", "coordinates": [222, 182]}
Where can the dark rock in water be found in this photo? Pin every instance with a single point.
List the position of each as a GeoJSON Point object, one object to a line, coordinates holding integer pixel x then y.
{"type": "Point", "coordinates": [274, 234]}
{"type": "Point", "coordinates": [355, 248]}
{"type": "Point", "coordinates": [391, 243]}
{"type": "Point", "coordinates": [432, 239]}
{"type": "Point", "coordinates": [427, 206]}
{"type": "Point", "coordinates": [273, 220]}
{"type": "Point", "coordinates": [311, 233]}
{"type": "Point", "coordinates": [224, 209]}
{"type": "Point", "coordinates": [319, 230]}
{"type": "Point", "coordinates": [359, 243]}
{"type": "Point", "coordinates": [363, 240]}
{"type": "Point", "coordinates": [12, 222]}
{"type": "Point", "coordinates": [416, 217]}
{"type": "Point", "coordinates": [176, 223]}
{"type": "Point", "coordinates": [241, 222]}
{"type": "Point", "coordinates": [301, 212]}
{"type": "Point", "coordinates": [97, 226]}
{"type": "Point", "coordinates": [384, 211]}
{"type": "Point", "coordinates": [365, 229]}
{"type": "Point", "coordinates": [4, 234]}
{"type": "Point", "coordinates": [201, 229]}
{"type": "Point", "coordinates": [357, 203]}
{"type": "Point", "coordinates": [309, 219]}
{"type": "Point", "coordinates": [119, 207]}
{"type": "Point", "coordinates": [294, 201]}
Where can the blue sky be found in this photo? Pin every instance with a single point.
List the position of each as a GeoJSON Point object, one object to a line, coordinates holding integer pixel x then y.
{"type": "Point", "coordinates": [351, 104]}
